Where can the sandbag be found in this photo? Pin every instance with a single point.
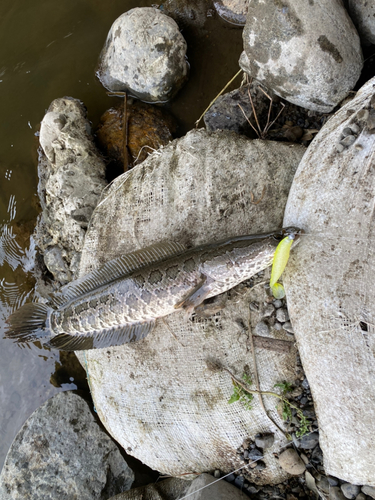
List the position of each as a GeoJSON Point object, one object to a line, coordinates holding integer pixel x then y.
{"type": "Point", "coordinates": [330, 284]}
{"type": "Point", "coordinates": [157, 397]}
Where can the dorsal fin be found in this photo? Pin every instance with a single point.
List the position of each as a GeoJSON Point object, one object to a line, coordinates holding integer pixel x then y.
{"type": "Point", "coordinates": [116, 268]}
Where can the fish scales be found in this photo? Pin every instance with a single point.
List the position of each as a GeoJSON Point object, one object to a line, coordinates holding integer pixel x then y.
{"type": "Point", "coordinates": [110, 306]}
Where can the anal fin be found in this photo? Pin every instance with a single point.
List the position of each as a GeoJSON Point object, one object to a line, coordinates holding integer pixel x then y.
{"type": "Point", "coordinates": [100, 339]}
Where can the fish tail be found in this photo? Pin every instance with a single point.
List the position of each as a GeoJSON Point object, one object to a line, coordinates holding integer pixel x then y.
{"type": "Point", "coordinates": [28, 323]}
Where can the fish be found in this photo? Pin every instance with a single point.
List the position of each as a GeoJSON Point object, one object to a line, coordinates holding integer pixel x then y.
{"type": "Point", "coordinates": [121, 301]}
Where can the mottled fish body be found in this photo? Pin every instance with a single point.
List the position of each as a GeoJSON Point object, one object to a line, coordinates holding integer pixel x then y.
{"type": "Point", "coordinates": [119, 302]}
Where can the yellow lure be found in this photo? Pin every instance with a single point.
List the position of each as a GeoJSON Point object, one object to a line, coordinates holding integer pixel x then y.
{"type": "Point", "coordinates": [280, 260]}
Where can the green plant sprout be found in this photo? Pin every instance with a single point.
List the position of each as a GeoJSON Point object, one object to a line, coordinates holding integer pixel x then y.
{"type": "Point", "coordinates": [244, 395]}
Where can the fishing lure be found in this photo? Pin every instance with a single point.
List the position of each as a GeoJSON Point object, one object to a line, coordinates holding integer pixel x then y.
{"type": "Point", "coordinates": [279, 263]}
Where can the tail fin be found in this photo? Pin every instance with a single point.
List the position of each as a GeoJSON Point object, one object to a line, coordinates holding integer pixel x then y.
{"type": "Point", "coordinates": [28, 323]}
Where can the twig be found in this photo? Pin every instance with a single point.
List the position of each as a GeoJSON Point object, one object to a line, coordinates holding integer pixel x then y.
{"type": "Point", "coordinates": [260, 199]}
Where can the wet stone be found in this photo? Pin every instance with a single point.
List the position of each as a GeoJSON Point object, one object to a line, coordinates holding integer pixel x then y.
{"type": "Point", "coordinates": [348, 140]}
{"type": "Point", "coordinates": [309, 441]}
{"type": "Point", "coordinates": [350, 490]}
{"type": "Point", "coordinates": [323, 484]}
{"type": "Point", "coordinates": [369, 491]}
{"type": "Point", "coordinates": [335, 493]}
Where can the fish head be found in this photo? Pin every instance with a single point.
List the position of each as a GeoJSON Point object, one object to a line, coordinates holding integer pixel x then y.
{"type": "Point", "coordinates": [293, 233]}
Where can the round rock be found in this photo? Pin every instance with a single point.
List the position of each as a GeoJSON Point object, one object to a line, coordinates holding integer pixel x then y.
{"type": "Point", "coordinates": [350, 490]}
{"type": "Point", "coordinates": [144, 54]}
{"type": "Point", "coordinates": [291, 462]}
{"type": "Point", "coordinates": [62, 452]}
{"type": "Point", "coordinates": [362, 13]}
{"type": "Point", "coordinates": [294, 48]}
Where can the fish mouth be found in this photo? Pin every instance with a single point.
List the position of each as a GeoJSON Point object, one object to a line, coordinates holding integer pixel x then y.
{"type": "Point", "coordinates": [294, 233]}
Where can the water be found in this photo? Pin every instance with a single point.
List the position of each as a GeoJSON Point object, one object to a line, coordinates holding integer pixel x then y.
{"type": "Point", "coordinates": [48, 49]}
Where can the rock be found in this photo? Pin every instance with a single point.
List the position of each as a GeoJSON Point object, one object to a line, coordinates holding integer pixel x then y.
{"type": "Point", "coordinates": [62, 452]}
{"type": "Point", "coordinates": [332, 305]}
{"type": "Point", "coordinates": [368, 490]}
{"type": "Point", "coordinates": [232, 11]}
{"type": "Point", "coordinates": [190, 15]}
{"type": "Point", "coordinates": [149, 128]}
{"type": "Point", "coordinates": [362, 13]}
{"type": "Point", "coordinates": [290, 461]}
{"type": "Point", "coordinates": [323, 484]}
{"type": "Point", "coordinates": [71, 179]}
{"type": "Point", "coordinates": [335, 493]}
{"type": "Point", "coordinates": [255, 454]}
{"type": "Point", "coordinates": [282, 315]}
{"type": "Point", "coordinates": [168, 489]}
{"type": "Point", "coordinates": [262, 329]}
{"type": "Point", "coordinates": [309, 441]}
{"type": "Point", "coordinates": [265, 441]}
{"type": "Point", "coordinates": [295, 49]}
{"type": "Point", "coordinates": [226, 112]}
{"type": "Point", "coordinates": [166, 371]}
{"type": "Point", "coordinates": [350, 490]}
{"type": "Point", "coordinates": [220, 490]}
{"type": "Point", "coordinates": [144, 54]}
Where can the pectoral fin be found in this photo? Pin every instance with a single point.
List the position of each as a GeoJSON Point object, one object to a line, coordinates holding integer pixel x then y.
{"type": "Point", "coordinates": [196, 296]}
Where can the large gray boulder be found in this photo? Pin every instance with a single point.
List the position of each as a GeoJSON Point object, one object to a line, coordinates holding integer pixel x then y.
{"type": "Point", "coordinates": [330, 284]}
{"type": "Point", "coordinates": [362, 13]}
{"type": "Point", "coordinates": [61, 452]}
{"type": "Point", "coordinates": [144, 54]}
{"type": "Point", "coordinates": [306, 52]}
{"type": "Point", "coordinates": [158, 397]}
{"type": "Point", "coordinates": [204, 487]}
{"type": "Point", "coordinates": [71, 178]}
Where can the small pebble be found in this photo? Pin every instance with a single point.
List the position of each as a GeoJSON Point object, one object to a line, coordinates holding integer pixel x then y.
{"type": "Point", "coordinates": [246, 454]}
{"type": "Point", "coordinates": [355, 128]}
{"type": "Point", "coordinates": [360, 496]}
{"type": "Point", "coordinates": [339, 148]}
{"type": "Point", "coordinates": [350, 490]}
{"type": "Point", "coordinates": [369, 490]}
{"type": "Point", "coordinates": [332, 481]}
{"type": "Point", "coordinates": [305, 384]}
{"type": "Point", "coordinates": [252, 489]}
{"type": "Point", "coordinates": [217, 474]}
{"type": "Point", "coordinates": [261, 329]}
{"type": "Point", "coordinates": [335, 493]}
{"type": "Point", "coordinates": [371, 122]}
{"type": "Point", "coordinates": [265, 441]}
{"type": "Point", "coordinates": [290, 461]}
{"type": "Point", "coordinates": [304, 458]}
{"type": "Point", "coordinates": [268, 311]}
{"type": "Point", "coordinates": [309, 441]}
{"type": "Point", "coordinates": [288, 327]}
{"type": "Point", "coordinates": [363, 114]}
{"type": "Point", "coordinates": [239, 481]}
{"type": "Point", "coordinates": [230, 478]}
{"type": "Point", "coordinates": [348, 140]}
{"type": "Point", "coordinates": [347, 131]}
{"type": "Point", "coordinates": [278, 326]}
{"type": "Point", "coordinates": [277, 303]}
{"type": "Point", "coordinates": [282, 315]}
{"type": "Point", "coordinates": [323, 484]}
{"type": "Point", "coordinates": [255, 454]}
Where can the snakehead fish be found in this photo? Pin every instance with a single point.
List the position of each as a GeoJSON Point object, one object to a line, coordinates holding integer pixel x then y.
{"type": "Point", "coordinates": [119, 302]}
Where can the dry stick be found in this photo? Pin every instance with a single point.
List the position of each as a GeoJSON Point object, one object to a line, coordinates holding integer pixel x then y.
{"type": "Point", "coordinates": [249, 122]}
{"type": "Point", "coordinates": [256, 377]}
{"type": "Point", "coordinates": [269, 125]}
{"type": "Point", "coordinates": [260, 135]}
{"type": "Point", "coordinates": [218, 95]}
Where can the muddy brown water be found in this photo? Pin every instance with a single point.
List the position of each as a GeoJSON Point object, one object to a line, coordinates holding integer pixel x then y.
{"type": "Point", "coordinates": [49, 49]}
